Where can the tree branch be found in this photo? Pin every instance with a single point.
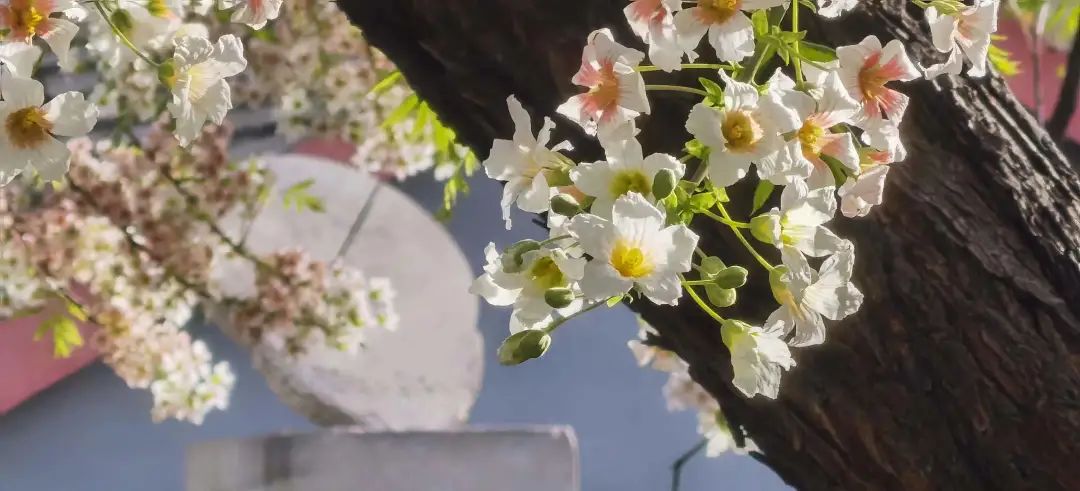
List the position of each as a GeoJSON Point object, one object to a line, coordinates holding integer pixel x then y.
{"type": "Point", "coordinates": [1066, 104]}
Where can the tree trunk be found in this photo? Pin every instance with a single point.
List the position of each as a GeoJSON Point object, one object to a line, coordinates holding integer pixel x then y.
{"type": "Point", "coordinates": [961, 369]}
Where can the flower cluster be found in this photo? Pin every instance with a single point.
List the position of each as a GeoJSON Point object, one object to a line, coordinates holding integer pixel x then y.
{"type": "Point", "coordinates": [824, 126]}
{"type": "Point", "coordinates": [683, 393]}
{"type": "Point", "coordinates": [300, 303]}
{"type": "Point", "coordinates": [132, 238]}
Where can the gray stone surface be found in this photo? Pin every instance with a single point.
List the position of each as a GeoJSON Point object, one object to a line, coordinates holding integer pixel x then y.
{"type": "Point", "coordinates": [427, 374]}
{"type": "Point", "coordinates": [525, 459]}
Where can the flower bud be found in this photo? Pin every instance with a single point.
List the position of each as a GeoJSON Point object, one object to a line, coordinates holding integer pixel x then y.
{"type": "Point", "coordinates": [557, 177]}
{"type": "Point", "coordinates": [710, 267]}
{"type": "Point", "coordinates": [720, 297]}
{"type": "Point", "coordinates": [664, 183]}
{"type": "Point", "coordinates": [766, 228]}
{"type": "Point", "coordinates": [512, 260]}
{"type": "Point", "coordinates": [123, 22]}
{"type": "Point", "coordinates": [524, 345]}
{"type": "Point", "coordinates": [565, 205]}
{"type": "Point", "coordinates": [559, 297]}
{"type": "Point", "coordinates": [731, 277]}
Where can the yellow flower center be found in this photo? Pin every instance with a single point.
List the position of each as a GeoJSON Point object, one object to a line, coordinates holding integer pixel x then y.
{"type": "Point", "coordinates": [872, 81]}
{"type": "Point", "coordinates": [630, 181]}
{"type": "Point", "coordinates": [741, 131]}
{"type": "Point", "coordinates": [158, 8]}
{"type": "Point", "coordinates": [27, 127]}
{"type": "Point", "coordinates": [630, 261]}
{"type": "Point", "coordinates": [545, 274]}
{"type": "Point", "coordinates": [718, 11]}
{"type": "Point", "coordinates": [25, 18]}
{"type": "Point", "coordinates": [810, 136]}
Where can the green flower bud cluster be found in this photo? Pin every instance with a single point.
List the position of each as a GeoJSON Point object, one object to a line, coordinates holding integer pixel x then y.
{"type": "Point", "coordinates": [523, 346]}
{"type": "Point", "coordinates": [723, 280]}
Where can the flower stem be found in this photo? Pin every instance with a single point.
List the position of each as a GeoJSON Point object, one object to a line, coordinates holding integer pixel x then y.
{"type": "Point", "coordinates": [558, 322]}
{"type": "Point", "coordinates": [121, 36]}
{"type": "Point", "coordinates": [725, 218]}
{"type": "Point", "coordinates": [677, 88]}
{"type": "Point", "coordinates": [702, 66]}
{"type": "Point", "coordinates": [701, 303]}
{"type": "Point", "coordinates": [795, 29]}
{"type": "Point", "coordinates": [725, 221]}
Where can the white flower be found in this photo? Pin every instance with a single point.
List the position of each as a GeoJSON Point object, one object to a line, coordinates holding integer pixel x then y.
{"type": "Point", "coordinates": [714, 427]}
{"type": "Point", "coordinates": [747, 129]}
{"type": "Point", "coordinates": [624, 171]}
{"type": "Point", "coordinates": [818, 116]}
{"type": "Point", "coordinates": [654, 22]}
{"type": "Point", "coordinates": [831, 9]}
{"type": "Point", "coordinates": [806, 295]}
{"type": "Point", "coordinates": [862, 192]}
{"type": "Point", "coordinates": [25, 19]}
{"type": "Point", "coordinates": [866, 67]}
{"type": "Point", "coordinates": [681, 392]}
{"type": "Point", "coordinates": [523, 162]}
{"type": "Point", "coordinates": [19, 58]}
{"type": "Point", "coordinates": [655, 357]}
{"type": "Point", "coordinates": [616, 91]}
{"type": "Point", "coordinates": [254, 13]}
{"type": "Point", "coordinates": [28, 129]}
{"type": "Point", "coordinates": [799, 222]}
{"type": "Point", "coordinates": [758, 358]}
{"type": "Point", "coordinates": [964, 34]}
{"type": "Point", "coordinates": [541, 270]}
{"type": "Point", "coordinates": [884, 135]}
{"type": "Point", "coordinates": [634, 249]}
{"type": "Point", "coordinates": [199, 90]}
{"type": "Point", "coordinates": [730, 31]}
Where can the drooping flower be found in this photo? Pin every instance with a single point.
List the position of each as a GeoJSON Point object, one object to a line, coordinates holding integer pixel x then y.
{"type": "Point", "coordinates": [199, 90]}
{"type": "Point", "coordinates": [862, 192]}
{"type": "Point", "coordinates": [965, 34]}
{"type": "Point", "coordinates": [616, 91]}
{"type": "Point", "coordinates": [654, 22]}
{"type": "Point", "coordinates": [730, 31]}
{"type": "Point", "coordinates": [714, 427]}
{"type": "Point", "coordinates": [815, 138]}
{"type": "Point", "coordinates": [799, 223]}
{"type": "Point", "coordinates": [524, 163]}
{"type": "Point", "coordinates": [806, 296]}
{"type": "Point", "coordinates": [23, 20]}
{"type": "Point", "coordinates": [634, 249]}
{"type": "Point", "coordinates": [653, 356]}
{"type": "Point", "coordinates": [254, 13]}
{"type": "Point", "coordinates": [29, 129]}
{"type": "Point", "coordinates": [526, 285]}
{"type": "Point", "coordinates": [626, 170]}
{"type": "Point", "coordinates": [747, 129]}
{"type": "Point", "coordinates": [866, 68]}
{"type": "Point", "coordinates": [758, 358]}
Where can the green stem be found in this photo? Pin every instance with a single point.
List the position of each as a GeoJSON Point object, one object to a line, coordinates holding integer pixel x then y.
{"type": "Point", "coordinates": [703, 66]}
{"type": "Point", "coordinates": [560, 321]}
{"type": "Point", "coordinates": [555, 239]}
{"type": "Point", "coordinates": [742, 238]}
{"type": "Point", "coordinates": [120, 35]}
{"type": "Point", "coordinates": [677, 88]}
{"type": "Point", "coordinates": [725, 221]}
{"type": "Point", "coordinates": [701, 303]}
{"type": "Point", "coordinates": [794, 29]}
{"type": "Point", "coordinates": [676, 467]}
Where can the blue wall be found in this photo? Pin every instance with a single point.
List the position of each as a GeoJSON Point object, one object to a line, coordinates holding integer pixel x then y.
{"type": "Point", "coordinates": [92, 433]}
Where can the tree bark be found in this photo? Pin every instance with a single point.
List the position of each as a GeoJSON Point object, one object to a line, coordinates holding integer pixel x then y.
{"type": "Point", "coordinates": [961, 369]}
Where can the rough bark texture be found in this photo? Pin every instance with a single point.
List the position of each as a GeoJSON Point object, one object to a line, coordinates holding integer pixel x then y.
{"type": "Point", "coordinates": [960, 371]}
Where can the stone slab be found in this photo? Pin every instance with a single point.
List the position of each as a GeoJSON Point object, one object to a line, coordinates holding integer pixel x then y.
{"type": "Point", "coordinates": [542, 458]}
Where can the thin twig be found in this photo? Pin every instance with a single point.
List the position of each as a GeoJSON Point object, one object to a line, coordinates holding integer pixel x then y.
{"type": "Point", "coordinates": [677, 466]}
{"type": "Point", "coordinates": [1036, 68]}
{"type": "Point", "coordinates": [1066, 103]}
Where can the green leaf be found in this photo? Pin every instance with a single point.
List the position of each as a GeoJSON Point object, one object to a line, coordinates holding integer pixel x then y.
{"type": "Point", "coordinates": [401, 112]}
{"type": "Point", "coordinates": [761, 194]}
{"type": "Point", "coordinates": [721, 195]}
{"type": "Point", "coordinates": [75, 310]}
{"type": "Point", "coordinates": [702, 201]}
{"type": "Point", "coordinates": [420, 124]}
{"type": "Point", "coordinates": [64, 332]}
{"type": "Point", "coordinates": [388, 81]}
{"type": "Point", "coordinates": [1001, 59]}
{"type": "Point", "coordinates": [760, 20]}
{"type": "Point", "coordinates": [299, 197]}
{"type": "Point", "coordinates": [839, 172]}
{"type": "Point", "coordinates": [613, 301]}
{"type": "Point", "coordinates": [695, 149]}
{"type": "Point", "coordinates": [816, 52]}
